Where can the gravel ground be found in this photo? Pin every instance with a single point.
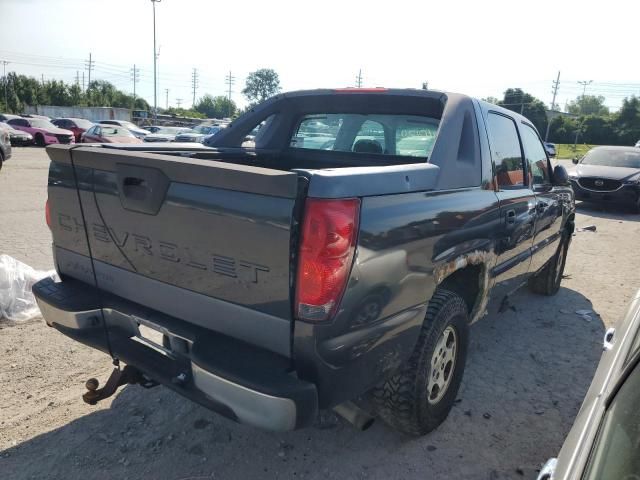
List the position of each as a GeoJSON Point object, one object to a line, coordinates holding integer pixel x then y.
{"type": "Point", "coordinates": [527, 371]}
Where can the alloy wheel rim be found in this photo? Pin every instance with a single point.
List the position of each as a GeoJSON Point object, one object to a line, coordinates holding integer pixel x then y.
{"type": "Point", "coordinates": [443, 362]}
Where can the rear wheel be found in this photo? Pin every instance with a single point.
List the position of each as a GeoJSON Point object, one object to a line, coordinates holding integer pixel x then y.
{"type": "Point", "coordinates": [419, 397]}
{"type": "Point", "coordinates": [39, 140]}
{"type": "Point", "coordinates": [547, 281]}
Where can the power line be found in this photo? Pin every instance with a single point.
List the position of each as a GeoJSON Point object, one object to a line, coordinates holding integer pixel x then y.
{"type": "Point", "coordinates": [4, 78]}
{"type": "Point", "coordinates": [89, 64]}
{"type": "Point", "coordinates": [556, 86]}
{"type": "Point", "coordinates": [194, 84]}
{"type": "Point", "coordinates": [135, 77]}
{"type": "Point", "coordinates": [229, 80]}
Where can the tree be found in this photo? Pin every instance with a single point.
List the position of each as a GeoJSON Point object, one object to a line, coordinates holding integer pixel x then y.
{"type": "Point", "coordinates": [517, 100]}
{"type": "Point", "coordinates": [627, 121]}
{"type": "Point", "coordinates": [588, 105]}
{"type": "Point", "coordinates": [261, 84]}
{"type": "Point", "coordinates": [493, 100]}
{"type": "Point", "coordinates": [216, 107]}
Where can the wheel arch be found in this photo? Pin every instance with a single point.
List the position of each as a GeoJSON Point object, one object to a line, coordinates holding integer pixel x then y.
{"type": "Point", "coordinates": [468, 276]}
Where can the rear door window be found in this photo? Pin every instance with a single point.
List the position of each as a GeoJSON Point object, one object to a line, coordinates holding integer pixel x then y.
{"type": "Point", "coordinates": [536, 155]}
{"type": "Point", "coordinates": [505, 150]}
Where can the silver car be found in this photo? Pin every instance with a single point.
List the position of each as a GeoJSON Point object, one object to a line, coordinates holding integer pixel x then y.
{"type": "Point", "coordinates": [604, 442]}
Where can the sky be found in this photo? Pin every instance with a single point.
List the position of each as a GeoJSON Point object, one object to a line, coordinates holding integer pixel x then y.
{"type": "Point", "coordinates": [480, 48]}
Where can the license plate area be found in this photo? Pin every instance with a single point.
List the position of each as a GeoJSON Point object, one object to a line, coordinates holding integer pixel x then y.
{"type": "Point", "coordinates": [151, 335]}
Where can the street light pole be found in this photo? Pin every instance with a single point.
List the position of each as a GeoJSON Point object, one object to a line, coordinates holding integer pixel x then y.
{"type": "Point", "coordinates": [584, 84]}
{"type": "Point", "coordinates": [155, 57]}
{"type": "Point", "coordinates": [4, 77]}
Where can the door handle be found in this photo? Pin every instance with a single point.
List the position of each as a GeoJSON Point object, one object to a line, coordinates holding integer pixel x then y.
{"type": "Point", "coordinates": [511, 217]}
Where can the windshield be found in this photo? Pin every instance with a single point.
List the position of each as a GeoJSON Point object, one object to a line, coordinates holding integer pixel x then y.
{"type": "Point", "coordinates": [206, 129]}
{"type": "Point", "coordinates": [174, 130]}
{"type": "Point", "coordinates": [612, 158]}
{"type": "Point", "coordinates": [39, 123]}
{"type": "Point", "coordinates": [82, 123]}
{"type": "Point", "coordinates": [130, 125]}
{"type": "Point", "coordinates": [109, 131]}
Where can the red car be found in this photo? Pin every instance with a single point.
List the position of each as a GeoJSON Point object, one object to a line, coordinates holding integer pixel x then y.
{"type": "Point", "coordinates": [109, 134]}
{"type": "Point", "coordinates": [77, 125]}
{"type": "Point", "coordinates": [43, 131]}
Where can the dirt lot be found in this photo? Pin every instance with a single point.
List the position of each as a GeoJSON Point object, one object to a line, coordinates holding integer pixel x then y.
{"type": "Point", "coordinates": [527, 371]}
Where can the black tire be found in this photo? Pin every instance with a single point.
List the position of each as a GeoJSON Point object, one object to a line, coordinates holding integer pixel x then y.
{"type": "Point", "coordinates": [547, 281]}
{"type": "Point", "coordinates": [405, 401]}
{"type": "Point", "coordinates": [39, 140]}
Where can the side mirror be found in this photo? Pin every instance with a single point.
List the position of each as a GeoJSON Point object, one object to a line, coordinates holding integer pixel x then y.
{"type": "Point", "coordinates": [560, 176]}
{"type": "Point", "coordinates": [575, 160]}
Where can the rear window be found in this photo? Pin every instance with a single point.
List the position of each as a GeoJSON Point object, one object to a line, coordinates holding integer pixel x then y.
{"type": "Point", "coordinates": [403, 135]}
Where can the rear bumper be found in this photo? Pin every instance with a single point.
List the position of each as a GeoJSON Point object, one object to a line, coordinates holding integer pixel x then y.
{"type": "Point", "coordinates": [244, 383]}
{"type": "Point", "coordinates": [625, 195]}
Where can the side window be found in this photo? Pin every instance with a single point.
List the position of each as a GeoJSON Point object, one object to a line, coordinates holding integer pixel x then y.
{"type": "Point", "coordinates": [536, 156]}
{"type": "Point", "coordinates": [317, 132]}
{"type": "Point", "coordinates": [615, 454]}
{"type": "Point", "coordinates": [505, 150]}
{"type": "Point", "coordinates": [97, 131]}
{"type": "Point", "coordinates": [370, 138]}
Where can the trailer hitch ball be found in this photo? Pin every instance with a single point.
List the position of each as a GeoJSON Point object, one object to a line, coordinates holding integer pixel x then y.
{"type": "Point", "coordinates": [92, 384]}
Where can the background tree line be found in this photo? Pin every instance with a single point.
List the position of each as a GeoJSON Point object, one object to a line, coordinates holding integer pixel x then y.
{"type": "Point", "coordinates": [23, 91]}
{"type": "Point", "coordinates": [592, 121]}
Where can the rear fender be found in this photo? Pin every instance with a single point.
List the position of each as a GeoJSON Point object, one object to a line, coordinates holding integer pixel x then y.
{"type": "Point", "coordinates": [445, 274]}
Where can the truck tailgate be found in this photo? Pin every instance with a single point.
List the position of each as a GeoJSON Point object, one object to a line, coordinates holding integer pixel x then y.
{"type": "Point", "coordinates": [204, 241]}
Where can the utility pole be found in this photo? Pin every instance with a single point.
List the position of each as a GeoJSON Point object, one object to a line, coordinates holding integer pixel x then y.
{"type": "Point", "coordinates": [155, 59]}
{"type": "Point", "coordinates": [359, 79]}
{"type": "Point", "coordinates": [167, 92]}
{"type": "Point", "coordinates": [5, 81]}
{"type": "Point", "coordinates": [83, 80]}
{"type": "Point", "coordinates": [178, 102]}
{"type": "Point", "coordinates": [229, 80]}
{"type": "Point", "coordinates": [584, 84]}
{"type": "Point", "coordinates": [42, 78]}
{"type": "Point", "coordinates": [89, 65]}
{"type": "Point", "coordinates": [425, 85]}
{"type": "Point", "coordinates": [194, 85]}
{"type": "Point", "coordinates": [135, 77]}
{"type": "Point", "coordinates": [77, 77]}
{"type": "Point", "coordinates": [556, 85]}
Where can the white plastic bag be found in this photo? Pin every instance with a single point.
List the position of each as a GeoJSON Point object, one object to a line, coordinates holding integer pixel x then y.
{"type": "Point", "coordinates": [17, 303]}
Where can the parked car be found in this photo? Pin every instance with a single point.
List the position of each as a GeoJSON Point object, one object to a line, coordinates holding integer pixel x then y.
{"type": "Point", "coordinates": [132, 127]}
{"type": "Point", "coordinates": [153, 128]}
{"type": "Point", "coordinates": [77, 125]}
{"type": "Point", "coordinates": [199, 133]}
{"type": "Point", "coordinates": [109, 134]}
{"type": "Point", "coordinates": [5, 117]}
{"type": "Point", "coordinates": [17, 137]}
{"type": "Point", "coordinates": [550, 148]}
{"type": "Point", "coordinates": [605, 437]}
{"type": "Point", "coordinates": [638, 144]}
{"type": "Point", "coordinates": [43, 131]}
{"type": "Point", "coordinates": [608, 175]}
{"type": "Point", "coordinates": [5, 145]}
{"type": "Point", "coordinates": [35, 115]}
{"type": "Point", "coordinates": [166, 134]}
{"type": "Point", "coordinates": [322, 276]}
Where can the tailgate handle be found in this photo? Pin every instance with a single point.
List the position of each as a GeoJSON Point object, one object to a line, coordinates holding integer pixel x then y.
{"type": "Point", "coordinates": [134, 182]}
{"type": "Point", "coordinates": [141, 189]}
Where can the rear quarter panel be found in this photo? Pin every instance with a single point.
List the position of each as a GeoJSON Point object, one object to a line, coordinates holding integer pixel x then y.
{"type": "Point", "coordinates": [407, 244]}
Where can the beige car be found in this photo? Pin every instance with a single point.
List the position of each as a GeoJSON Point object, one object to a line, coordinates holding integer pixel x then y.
{"type": "Point", "coordinates": [604, 442]}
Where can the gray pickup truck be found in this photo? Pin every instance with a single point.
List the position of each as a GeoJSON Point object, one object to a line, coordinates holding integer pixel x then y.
{"type": "Point", "coordinates": [334, 260]}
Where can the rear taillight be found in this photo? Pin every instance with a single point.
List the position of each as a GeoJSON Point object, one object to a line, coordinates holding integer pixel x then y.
{"type": "Point", "coordinates": [328, 243]}
{"type": "Point", "coordinates": [47, 214]}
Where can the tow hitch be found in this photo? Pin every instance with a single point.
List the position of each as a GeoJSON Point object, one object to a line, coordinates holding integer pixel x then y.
{"type": "Point", "coordinates": [128, 375]}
